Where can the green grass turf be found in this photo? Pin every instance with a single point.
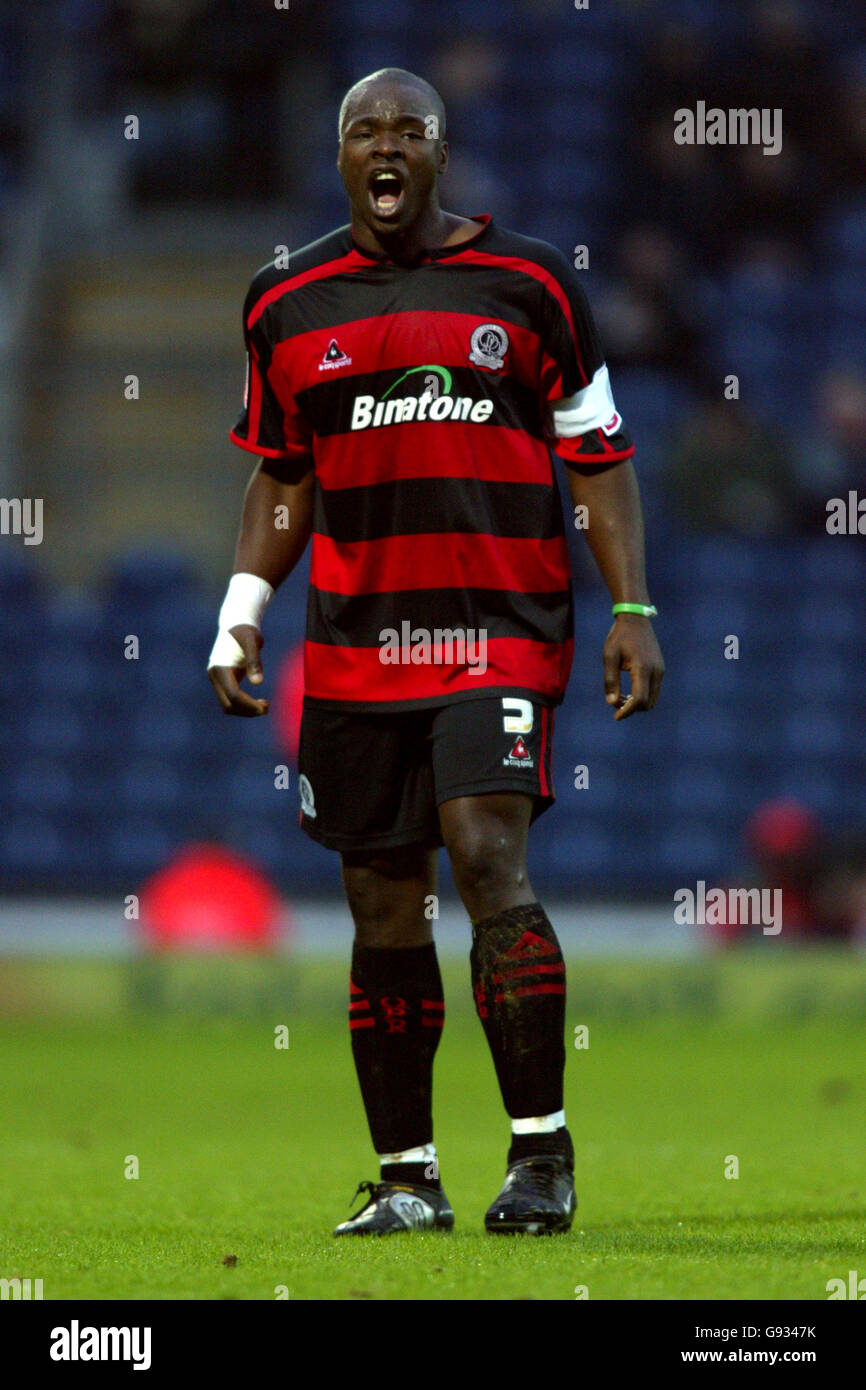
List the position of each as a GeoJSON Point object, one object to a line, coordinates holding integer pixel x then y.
{"type": "Point", "coordinates": [254, 1152]}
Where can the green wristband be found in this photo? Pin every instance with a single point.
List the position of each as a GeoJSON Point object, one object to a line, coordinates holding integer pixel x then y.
{"type": "Point", "coordinates": [646, 610]}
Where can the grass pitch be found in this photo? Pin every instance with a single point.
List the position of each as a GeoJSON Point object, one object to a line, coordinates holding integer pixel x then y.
{"type": "Point", "coordinates": [251, 1151]}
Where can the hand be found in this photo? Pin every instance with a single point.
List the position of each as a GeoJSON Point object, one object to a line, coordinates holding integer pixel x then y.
{"type": "Point", "coordinates": [226, 679]}
{"type": "Point", "coordinates": [631, 646]}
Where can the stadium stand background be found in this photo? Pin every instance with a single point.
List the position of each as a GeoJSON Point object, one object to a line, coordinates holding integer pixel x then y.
{"type": "Point", "coordinates": [132, 257]}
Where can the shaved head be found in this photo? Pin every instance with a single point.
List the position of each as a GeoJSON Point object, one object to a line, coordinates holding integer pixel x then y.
{"type": "Point", "coordinates": [393, 77]}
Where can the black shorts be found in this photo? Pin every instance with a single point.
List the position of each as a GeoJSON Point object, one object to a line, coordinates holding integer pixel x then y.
{"type": "Point", "coordinates": [374, 781]}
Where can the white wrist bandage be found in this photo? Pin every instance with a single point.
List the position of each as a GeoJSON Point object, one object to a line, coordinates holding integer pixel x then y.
{"type": "Point", "coordinates": [246, 599]}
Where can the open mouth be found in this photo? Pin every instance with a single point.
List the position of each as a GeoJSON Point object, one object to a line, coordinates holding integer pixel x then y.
{"type": "Point", "coordinates": [386, 192]}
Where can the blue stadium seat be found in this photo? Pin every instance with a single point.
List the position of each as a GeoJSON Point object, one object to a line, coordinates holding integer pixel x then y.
{"type": "Point", "coordinates": [150, 784]}
{"type": "Point", "coordinates": [817, 730]}
{"type": "Point", "coordinates": [29, 846]}
{"type": "Point", "coordinates": [691, 850]}
{"type": "Point", "coordinates": [845, 235]}
{"type": "Point", "coordinates": [584, 850]}
{"type": "Point", "coordinates": [161, 731]}
{"type": "Point", "coordinates": [706, 789]}
{"type": "Point", "coordinates": [138, 845]}
{"type": "Point", "coordinates": [838, 621]}
{"type": "Point", "coordinates": [57, 728]}
{"type": "Point", "coordinates": [42, 783]}
{"type": "Point", "coordinates": [827, 566]}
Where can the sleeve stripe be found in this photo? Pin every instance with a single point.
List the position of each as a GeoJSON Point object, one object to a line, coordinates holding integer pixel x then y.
{"type": "Point", "coordinates": [256, 448]}
{"type": "Point", "coordinates": [254, 407]}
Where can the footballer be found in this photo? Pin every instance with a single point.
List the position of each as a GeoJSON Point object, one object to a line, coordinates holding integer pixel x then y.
{"type": "Point", "coordinates": [410, 376]}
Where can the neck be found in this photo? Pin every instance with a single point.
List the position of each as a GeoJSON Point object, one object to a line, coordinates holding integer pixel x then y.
{"type": "Point", "coordinates": [434, 228]}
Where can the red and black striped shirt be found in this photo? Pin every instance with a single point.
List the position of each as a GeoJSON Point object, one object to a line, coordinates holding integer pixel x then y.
{"type": "Point", "coordinates": [427, 399]}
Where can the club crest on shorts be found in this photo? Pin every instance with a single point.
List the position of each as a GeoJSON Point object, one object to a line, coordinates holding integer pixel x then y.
{"type": "Point", "coordinates": [488, 346]}
{"type": "Point", "coordinates": [308, 804]}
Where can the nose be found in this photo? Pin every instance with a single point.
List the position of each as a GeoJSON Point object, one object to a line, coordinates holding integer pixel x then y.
{"type": "Point", "coordinates": [386, 143]}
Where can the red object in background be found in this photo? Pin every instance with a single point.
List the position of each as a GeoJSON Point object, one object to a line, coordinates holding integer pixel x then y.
{"type": "Point", "coordinates": [782, 828]}
{"type": "Point", "coordinates": [782, 836]}
{"type": "Point", "coordinates": [210, 899]}
{"type": "Point", "coordinates": [289, 700]}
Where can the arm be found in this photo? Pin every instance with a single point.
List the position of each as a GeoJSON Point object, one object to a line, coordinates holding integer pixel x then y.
{"type": "Point", "coordinates": [262, 548]}
{"type": "Point", "coordinates": [271, 552]}
{"type": "Point", "coordinates": [615, 535]}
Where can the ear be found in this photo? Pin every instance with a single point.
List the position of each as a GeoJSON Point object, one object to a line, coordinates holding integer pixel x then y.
{"type": "Point", "coordinates": [443, 157]}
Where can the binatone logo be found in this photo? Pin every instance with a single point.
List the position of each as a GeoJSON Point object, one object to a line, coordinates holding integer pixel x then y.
{"type": "Point", "coordinates": [368, 413]}
{"type": "Point", "coordinates": [334, 357]}
{"type": "Point", "coordinates": [488, 346]}
{"type": "Point", "coordinates": [431, 404]}
{"type": "Point", "coordinates": [308, 804]}
{"type": "Point", "coordinates": [76, 1343]}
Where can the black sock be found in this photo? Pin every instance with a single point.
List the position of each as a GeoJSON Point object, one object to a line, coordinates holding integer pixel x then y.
{"type": "Point", "coordinates": [518, 977]}
{"type": "Point", "coordinates": [556, 1143]}
{"type": "Point", "coordinates": [396, 1013]}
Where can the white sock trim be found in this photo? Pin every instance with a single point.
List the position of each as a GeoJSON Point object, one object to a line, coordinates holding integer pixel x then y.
{"type": "Point", "coordinates": [425, 1153]}
{"type": "Point", "coordinates": [539, 1124]}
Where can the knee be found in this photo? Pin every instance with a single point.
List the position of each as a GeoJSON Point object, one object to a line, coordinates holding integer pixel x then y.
{"type": "Point", "coordinates": [486, 857]}
{"type": "Point", "coordinates": [386, 895]}
{"type": "Point", "coordinates": [363, 892]}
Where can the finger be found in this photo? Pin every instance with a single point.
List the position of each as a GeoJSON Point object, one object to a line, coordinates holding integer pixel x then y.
{"type": "Point", "coordinates": [250, 640]}
{"type": "Point", "coordinates": [611, 666]}
{"type": "Point", "coordinates": [232, 699]}
{"type": "Point", "coordinates": [640, 685]}
{"type": "Point", "coordinates": [658, 676]}
{"type": "Point", "coordinates": [248, 708]}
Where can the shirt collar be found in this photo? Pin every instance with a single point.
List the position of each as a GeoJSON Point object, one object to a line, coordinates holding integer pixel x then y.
{"type": "Point", "coordinates": [436, 253]}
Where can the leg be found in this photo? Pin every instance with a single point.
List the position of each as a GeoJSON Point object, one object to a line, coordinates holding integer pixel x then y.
{"type": "Point", "coordinates": [517, 968]}
{"type": "Point", "coordinates": [396, 1009]}
{"type": "Point", "coordinates": [518, 977]}
{"type": "Point", "coordinates": [486, 839]}
{"type": "Point", "coordinates": [386, 892]}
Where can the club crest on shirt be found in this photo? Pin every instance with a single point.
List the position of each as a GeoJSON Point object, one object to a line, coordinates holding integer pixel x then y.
{"type": "Point", "coordinates": [488, 346]}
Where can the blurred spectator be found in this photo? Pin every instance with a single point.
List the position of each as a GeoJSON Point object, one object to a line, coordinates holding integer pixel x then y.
{"type": "Point", "coordinates": [837, 463]}
{"type": "Point", "coordinates": [846, 164]}
{"type": "Point", "coordinates": [680, 186]}
{"type": "Point", "coordinates": [468, 73]}
{"type": "Point", "coordinates": [822, 882]}
{"type": "Point", "coordinates": [206, 77]}
{"type": "Point", "coordinates": [766, 204]}
{"type": "Point", "coordinates": [783, 67]}
{"type": "Point", "coordinates": [784, 64]}
{"type": "Point", "coordinates": [647, 318]}
{"type": "Point", "coordinates": [726, 472]}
